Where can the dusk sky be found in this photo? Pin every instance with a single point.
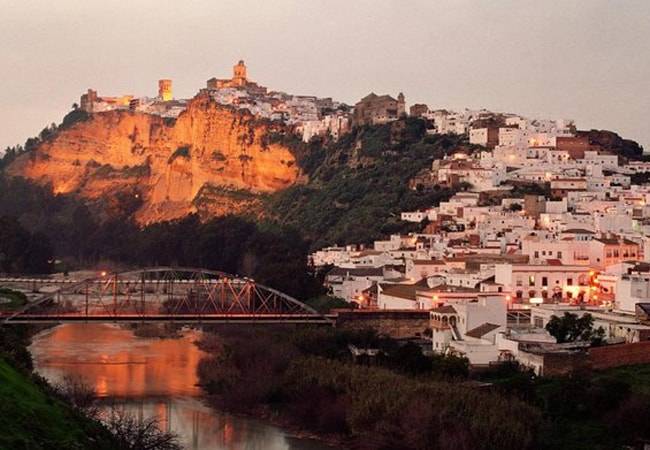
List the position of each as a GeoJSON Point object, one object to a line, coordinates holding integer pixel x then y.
{"type": "Point", "coordinates": [588, 60]}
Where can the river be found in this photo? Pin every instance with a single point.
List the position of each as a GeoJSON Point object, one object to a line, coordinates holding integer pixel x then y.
{"type": "Point", "coordinates": [153, 377]}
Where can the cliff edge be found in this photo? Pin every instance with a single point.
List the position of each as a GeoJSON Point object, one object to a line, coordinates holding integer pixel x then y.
{"type": "Point", "coordinates": [211, 160]}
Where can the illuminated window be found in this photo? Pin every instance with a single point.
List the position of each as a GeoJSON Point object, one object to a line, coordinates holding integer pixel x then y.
{"type": "Point", "coordinates": [531, 280]}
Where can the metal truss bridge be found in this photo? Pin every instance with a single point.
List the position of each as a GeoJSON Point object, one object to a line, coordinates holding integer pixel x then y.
{"type": "Point", "coordinates": [160, 294]}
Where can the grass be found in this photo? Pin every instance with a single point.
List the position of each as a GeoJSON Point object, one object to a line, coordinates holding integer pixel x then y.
{"type": "Point", "coordinates": [579, 419]}
{"type": "Point", "coordinates": [33, 419]}
{"type": "Point", "coordinates": [637, 377]}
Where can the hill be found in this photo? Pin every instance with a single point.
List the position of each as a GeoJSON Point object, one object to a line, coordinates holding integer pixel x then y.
{"type": "Point", "coordinates": [359, 185]}
{"type": "Point", "coordinates": [211, 160]}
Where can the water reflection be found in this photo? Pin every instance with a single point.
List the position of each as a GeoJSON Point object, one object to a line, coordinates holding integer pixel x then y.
{"type": "Point", "coordinates": [152, 377]}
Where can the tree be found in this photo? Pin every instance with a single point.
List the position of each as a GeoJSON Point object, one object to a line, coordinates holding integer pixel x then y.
{"type": "Point", "coordinates": [22, 251]}
{"type": "Point", "coordinates": [133, 434]}
{"type": "Point", "coordinates": [571, 328]}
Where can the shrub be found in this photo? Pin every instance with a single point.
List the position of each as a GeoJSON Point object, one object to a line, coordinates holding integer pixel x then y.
{"type": "Point", "coordinates": [180, 152]}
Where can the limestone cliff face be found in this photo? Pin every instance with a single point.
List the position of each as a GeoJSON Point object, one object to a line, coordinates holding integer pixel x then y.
{"type": "Point", "coordinates": [210, 159]}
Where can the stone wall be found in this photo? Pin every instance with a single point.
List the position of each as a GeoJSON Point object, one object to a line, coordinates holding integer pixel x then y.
{"type": "Point", "coordinates": [396, 324]}
{"type": "Point", "coordinates": [619, 355]}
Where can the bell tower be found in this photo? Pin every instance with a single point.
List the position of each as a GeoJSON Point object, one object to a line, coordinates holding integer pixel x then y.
{"type": "Point", "coordinates": [239, 73]}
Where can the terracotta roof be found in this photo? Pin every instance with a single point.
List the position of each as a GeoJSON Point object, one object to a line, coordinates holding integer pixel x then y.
{"type": "Point", "coordinates": [405, 291]}
{"type": "Point", "coordinates": [445, 309]}
{"type": "Point", "coordinates": [615, 241]}
{"type": "Point", "coordinates": [553, 262]}
{"type": "Point", "coordinates": [428, 262]}
{"type": "Point", "coordinates": [372, 290]}
{"type": "Point", "coordinates": [357, 272]}
{"type": "Point", "coordinates": [482, 330]}
{"type": "Point", "coordinates": [578, 230]}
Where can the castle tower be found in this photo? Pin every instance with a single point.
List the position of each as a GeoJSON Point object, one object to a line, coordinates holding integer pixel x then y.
{"type": "Point", "coordinates": [165, 90]}
{"type": "Point", "coordinates": [239, 73]}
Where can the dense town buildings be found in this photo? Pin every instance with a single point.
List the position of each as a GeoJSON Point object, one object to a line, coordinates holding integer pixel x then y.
{"type": "Point", "coordinates": [494, 264]}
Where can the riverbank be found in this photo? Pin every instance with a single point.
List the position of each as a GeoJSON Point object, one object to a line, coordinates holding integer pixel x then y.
{"type": "Point", "coordinates": [38, 415]}
{"type": "Point", "coordinates": [302, 378]}
{"type": "Point", "coordinates": [33, 418]}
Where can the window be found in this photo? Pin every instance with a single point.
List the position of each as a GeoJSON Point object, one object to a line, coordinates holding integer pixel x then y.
{"type": "Point", "coordinates": [569, 281]}
{"type": "Point", "coordinates": [531, 280]}
{"type": "Point", "coordinates": [536, 254]}
{"type": "Point", "coordinates": [559, 255]}
{"type": "Point", "coordinates": [544, 281]}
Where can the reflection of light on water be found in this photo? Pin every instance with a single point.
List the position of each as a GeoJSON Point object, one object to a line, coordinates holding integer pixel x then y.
{"type": "Point", "coordinates": [101, 387]}
{"type": "Point", "coordinates": [154, 377]}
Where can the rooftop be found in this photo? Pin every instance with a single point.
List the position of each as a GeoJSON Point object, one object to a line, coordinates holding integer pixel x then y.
{"type": "Point", "coordinates": [482, 330]}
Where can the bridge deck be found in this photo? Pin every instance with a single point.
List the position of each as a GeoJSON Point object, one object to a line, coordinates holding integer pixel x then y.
{"type": "Point", "coordinates": [181, 318]}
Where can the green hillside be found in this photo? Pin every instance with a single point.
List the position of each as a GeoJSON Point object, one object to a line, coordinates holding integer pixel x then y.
{"type": "Point", "coordinates": [359, 185]}
{"type": "Point", "coordinates": [31, 419]}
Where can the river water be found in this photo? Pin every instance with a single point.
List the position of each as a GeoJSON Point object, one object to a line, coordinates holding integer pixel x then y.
{"type": "Point", "coordinates": [153, 377]}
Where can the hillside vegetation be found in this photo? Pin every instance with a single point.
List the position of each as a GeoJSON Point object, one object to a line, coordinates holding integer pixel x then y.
{"type": "Point", "coordinates": [33, 419]}
{"type": "Point", "coordinates": [359, 185]}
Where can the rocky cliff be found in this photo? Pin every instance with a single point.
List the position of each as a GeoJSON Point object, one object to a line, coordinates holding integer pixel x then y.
{"type": "Point", "coordinates": [211, 160]}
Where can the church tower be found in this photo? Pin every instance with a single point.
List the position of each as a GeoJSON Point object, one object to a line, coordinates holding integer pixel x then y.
{"type": "Point", "coordinates": [239, 73]}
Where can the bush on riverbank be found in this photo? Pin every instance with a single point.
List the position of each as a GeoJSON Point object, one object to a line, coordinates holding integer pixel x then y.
{"type": "Point", "coordinates": [303, 375]}
{"type": "Point", "coordinates": [393, 411]}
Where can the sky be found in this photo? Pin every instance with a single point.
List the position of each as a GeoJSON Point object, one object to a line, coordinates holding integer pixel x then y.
{"type": "Point", "coordinates": [587, 60]}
